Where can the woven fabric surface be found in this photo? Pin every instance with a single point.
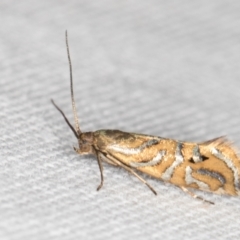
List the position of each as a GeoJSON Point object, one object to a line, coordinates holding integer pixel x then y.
{"type": "Point", "coordinates": [166, 68]}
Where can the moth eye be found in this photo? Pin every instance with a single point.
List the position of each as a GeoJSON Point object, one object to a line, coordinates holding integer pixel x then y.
{"type": "Point", "coordinates": [83, 141]}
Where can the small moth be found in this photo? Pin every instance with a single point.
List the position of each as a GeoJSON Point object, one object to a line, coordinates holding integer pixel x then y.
{"type": "Point", "coordinates": [211, 166]}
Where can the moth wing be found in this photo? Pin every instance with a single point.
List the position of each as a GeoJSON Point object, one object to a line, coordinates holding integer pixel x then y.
{"type": "Point", "coordinates": [216, 141]}
{"type": "Point", "coordinates": [223, 144]}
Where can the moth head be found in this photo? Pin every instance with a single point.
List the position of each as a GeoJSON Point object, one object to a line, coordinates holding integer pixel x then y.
{"type": "Point", "coordinates": [85, 142]}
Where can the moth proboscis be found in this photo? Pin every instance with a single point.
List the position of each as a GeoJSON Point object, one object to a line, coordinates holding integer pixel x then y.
{"type": "Point", "coordinates": [212, 166]}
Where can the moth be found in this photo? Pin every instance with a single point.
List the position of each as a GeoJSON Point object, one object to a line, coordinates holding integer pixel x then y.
{"type": "Point", "coordinates": [212, 166]}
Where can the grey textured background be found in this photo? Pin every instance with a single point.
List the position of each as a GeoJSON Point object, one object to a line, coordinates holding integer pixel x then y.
{"type": "Point", "coordinates": [167, 68]}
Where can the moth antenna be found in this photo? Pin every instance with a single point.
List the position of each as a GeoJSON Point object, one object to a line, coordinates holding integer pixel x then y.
{"type": "Point", "coordinates": [65, 118]}
{"type": "Point", "coordinates": [77, 128]}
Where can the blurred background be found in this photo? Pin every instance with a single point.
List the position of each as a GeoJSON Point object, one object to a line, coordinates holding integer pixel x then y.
{"type": "Point", "coordinates": [166, 68]}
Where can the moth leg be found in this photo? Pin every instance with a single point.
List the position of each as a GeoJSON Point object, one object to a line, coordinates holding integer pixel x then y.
{"type": "Point", "coordinates": [101, 171]}
{"type": "Point", "coordinates": [195, 196]}
{"type": "Point", "coordinates": [107, 160]}
{"type": "Point", "coordinates": [134, 173]}
{"type": "Point", "coordinates": [100, 167]}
